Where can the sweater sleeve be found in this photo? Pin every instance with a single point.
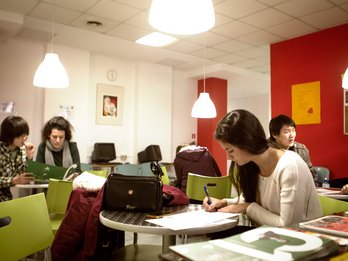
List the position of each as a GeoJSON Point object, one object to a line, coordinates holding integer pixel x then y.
{"type": "Point", "coordinates": [289, 197]}
{"type": "Point", "coordinates": [281, 215]}
{"type": "Point", "coordinates": [40, 156]}
{"type": "Point", "coordinates": [75, 154]}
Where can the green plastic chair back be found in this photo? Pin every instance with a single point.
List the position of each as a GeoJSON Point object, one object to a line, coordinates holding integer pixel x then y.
{"type": "Point", "coordinates": [218, 187]}
{"type": "Point", "coordinates": [29, 230]}
{"type": "Point", "coordinates": [332, 206]}
{"type": "Point", "coordinates": [58, 194]}
{"type": "Point", "coordinates": [102, 173]}
{"type": "Point", "coordinates": [86, 166]}
{"type": "Point", "coordinates": [129, 169]}
{"type": "Point", "coordinates": [165, 177]}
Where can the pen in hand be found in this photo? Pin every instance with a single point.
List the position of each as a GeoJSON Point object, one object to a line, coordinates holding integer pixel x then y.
{"type": "Point", "coordinates": [207, 194]}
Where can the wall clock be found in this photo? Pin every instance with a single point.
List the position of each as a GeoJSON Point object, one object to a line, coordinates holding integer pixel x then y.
{"type": "Point", "coordinates": [111, 75]}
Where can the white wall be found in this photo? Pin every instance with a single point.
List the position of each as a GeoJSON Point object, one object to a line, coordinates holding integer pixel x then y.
{"type": "Point", "coordinates": [147, 114]}
{"type": "Point", "coordinates": [18, 62]}
{"type": "Point", "coordinates": [259, 104]}
{"type": "Point", "coordinates": [157, 100]}
{"type": "Point", "coordinates": [184, 96]}
{"type": "Point", "coordinates": [153, 108]}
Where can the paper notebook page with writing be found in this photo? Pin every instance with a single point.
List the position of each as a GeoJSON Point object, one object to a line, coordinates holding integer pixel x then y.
{"type": "Point", "coordinates": [193, 219]}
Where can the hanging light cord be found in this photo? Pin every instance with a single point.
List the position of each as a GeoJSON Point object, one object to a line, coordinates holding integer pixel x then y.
{"type": "Point", "coordinates": [52, 27]}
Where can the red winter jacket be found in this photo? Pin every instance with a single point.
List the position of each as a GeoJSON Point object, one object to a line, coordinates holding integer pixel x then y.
{"type": "Point", "coordinates": [76, 237]}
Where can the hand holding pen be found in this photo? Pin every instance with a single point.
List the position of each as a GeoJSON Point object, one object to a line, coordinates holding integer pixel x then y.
{"type": "Point", "coordinates": [207, 194]}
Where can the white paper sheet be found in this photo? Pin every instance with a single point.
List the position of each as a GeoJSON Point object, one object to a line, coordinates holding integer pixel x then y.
{"type": "Point", "coordinates": [193, 219]}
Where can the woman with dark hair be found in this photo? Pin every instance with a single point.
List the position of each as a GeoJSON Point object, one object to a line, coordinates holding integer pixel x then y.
{"type": "Point", "coordinates": [273, 186]}
{"type": "Point", "coordinates": [15, 151]}
{"type": "Point", "coordinates": [56, 147]}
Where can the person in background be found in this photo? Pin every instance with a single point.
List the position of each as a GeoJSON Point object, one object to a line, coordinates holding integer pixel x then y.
{"type": "Point", "coordinates": [56, 147]}
{"type": "Point", "coordinates": [282, 131]}
{"type": "Point", "coordinates": [15, 151]}
{"type": "Point", "coordinates": [344, 189]}
{"type": "Point", "coordinates": [194, 159]}
{"type": "Point", "coordinates": [274, 187]}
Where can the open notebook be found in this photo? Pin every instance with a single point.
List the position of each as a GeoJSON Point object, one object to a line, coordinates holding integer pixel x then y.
{"type": "Point", "coordinates": [43, 172]}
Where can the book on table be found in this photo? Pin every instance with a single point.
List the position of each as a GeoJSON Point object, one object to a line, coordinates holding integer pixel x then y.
{"type": "Point", "coordinates": [262, 243]}
{"type": "Point", "coordinates": [332, 224]}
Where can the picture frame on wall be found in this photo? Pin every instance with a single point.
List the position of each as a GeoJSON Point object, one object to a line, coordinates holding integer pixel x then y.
{"type": "Point", "coordinates": [109, 110]}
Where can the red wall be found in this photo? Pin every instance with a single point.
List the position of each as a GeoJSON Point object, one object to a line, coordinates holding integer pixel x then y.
{"type": "Point", "coordinates": [217, 89]}
{"type": "Point", "coordinates": [321, 56]}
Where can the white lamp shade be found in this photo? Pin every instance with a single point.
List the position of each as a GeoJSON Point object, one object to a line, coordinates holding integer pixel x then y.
{"type": "Point", "coordinates": [345, 80]}
{"type": "Point", "coordinates": [203, 107]}
{"type": "Point", "coordinates": [182, 17]}
{"type": "Point", "coordinates": [51, 73]}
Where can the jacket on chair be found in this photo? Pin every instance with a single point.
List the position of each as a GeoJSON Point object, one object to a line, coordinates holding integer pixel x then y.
{"type": "Point", "coordinates": [197, 160]}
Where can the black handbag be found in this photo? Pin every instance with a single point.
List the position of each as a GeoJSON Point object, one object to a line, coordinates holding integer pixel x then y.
{"type": "Point", "coordinates": [134, 193]}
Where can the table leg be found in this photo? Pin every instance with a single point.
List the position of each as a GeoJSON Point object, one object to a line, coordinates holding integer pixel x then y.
{"type": "Point", "coordinates": [168, 240]}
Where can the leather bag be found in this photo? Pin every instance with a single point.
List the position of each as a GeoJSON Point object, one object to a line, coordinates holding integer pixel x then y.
{"type": "Point", "coordinates": [133, 193]}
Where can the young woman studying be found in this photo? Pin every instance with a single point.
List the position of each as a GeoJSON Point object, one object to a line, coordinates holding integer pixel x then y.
{"type": "Point", "coordinates": [56, 147]}
{"type": "Point", "coordinates": [274, 186]}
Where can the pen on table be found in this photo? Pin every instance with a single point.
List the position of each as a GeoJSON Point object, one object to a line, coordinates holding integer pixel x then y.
{"type": "Point", "coordinates": [207, 194]}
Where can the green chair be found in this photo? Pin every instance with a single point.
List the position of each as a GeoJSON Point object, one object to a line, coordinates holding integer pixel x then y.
{"type": "Point", "coordinates": [25, 227]}
{"type": "Point", "coordinates": [129, 169]}
{"type": "Point", "coordinates": [102, 172]}
{"type": "Point", "coordinates": [332, 206]}
{"type": "Point", "coordinates": [218, 187]}
{"type": "Point", "coordinates": [165, 177]}
{"type": "Point", "coordinates": [58, 194]}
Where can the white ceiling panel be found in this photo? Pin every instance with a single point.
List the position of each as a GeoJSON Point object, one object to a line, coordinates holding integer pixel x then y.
{"type": "Point", "coordinates": [243, 31]}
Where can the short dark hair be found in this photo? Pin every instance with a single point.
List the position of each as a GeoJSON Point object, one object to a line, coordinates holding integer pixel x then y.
{"type": "Point", "coordinates": [278, 122]}
{"type": "Point", "coordinates": [58, 123]}
{"type": "Point", "coordinates": [13, 127]}
{"type": "Point", "coordinates": [242, 129]}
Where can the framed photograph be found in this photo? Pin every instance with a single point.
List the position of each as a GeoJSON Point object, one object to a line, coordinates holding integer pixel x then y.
{"type": "Point", "coordinates": [110, 100]}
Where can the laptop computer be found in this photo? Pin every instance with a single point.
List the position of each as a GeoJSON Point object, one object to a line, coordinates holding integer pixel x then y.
{"type": "Point", "coordinates": [43, 172]}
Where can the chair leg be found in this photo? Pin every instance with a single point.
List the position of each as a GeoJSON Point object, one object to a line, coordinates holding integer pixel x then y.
{"type": "Point", "coordinates": [135, 238]}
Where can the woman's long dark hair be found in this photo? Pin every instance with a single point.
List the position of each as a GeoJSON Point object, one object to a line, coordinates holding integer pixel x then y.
{"type": "Point", "coordinates": [243, 130]}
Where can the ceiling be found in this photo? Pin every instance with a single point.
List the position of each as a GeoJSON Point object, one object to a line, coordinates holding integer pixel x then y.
{"type": "Point", "coordinates": [240, 39]}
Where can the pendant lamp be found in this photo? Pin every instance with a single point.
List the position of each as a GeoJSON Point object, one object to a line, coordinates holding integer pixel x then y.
{"type": "Point", "coordinates": [182, 17]}
{"type": "Point", "coordinates": [345, 80]}
{"type": "Point", "coordinates": [51, 72]}
{"type": "Point", "coordinates": [204, 106]}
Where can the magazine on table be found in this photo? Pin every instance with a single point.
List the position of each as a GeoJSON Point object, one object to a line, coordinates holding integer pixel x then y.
{"type": "Point", "coordinates": [332, 224]}
{"type": "Point", "coordinates": [263, 243]}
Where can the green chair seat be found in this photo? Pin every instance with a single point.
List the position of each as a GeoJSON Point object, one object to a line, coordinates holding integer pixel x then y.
{"type": "Point", "coordinates": [332, 206]}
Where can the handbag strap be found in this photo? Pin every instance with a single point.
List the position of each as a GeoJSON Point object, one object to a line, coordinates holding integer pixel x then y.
{"type": "Point", "coordinates": [156, 169]}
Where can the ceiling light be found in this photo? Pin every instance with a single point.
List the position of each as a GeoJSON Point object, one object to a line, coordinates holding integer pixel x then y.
{"type": "Point", "coordinates": [156, 39]}
{"type": "Point", "coordinates": [345, 80]}
{"type": "Point", "coordinates": [204, 106]}
{"type": "Point", "coordinates": [183, 17]}
{"type": "Point", "coordinates": [51, 72]}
